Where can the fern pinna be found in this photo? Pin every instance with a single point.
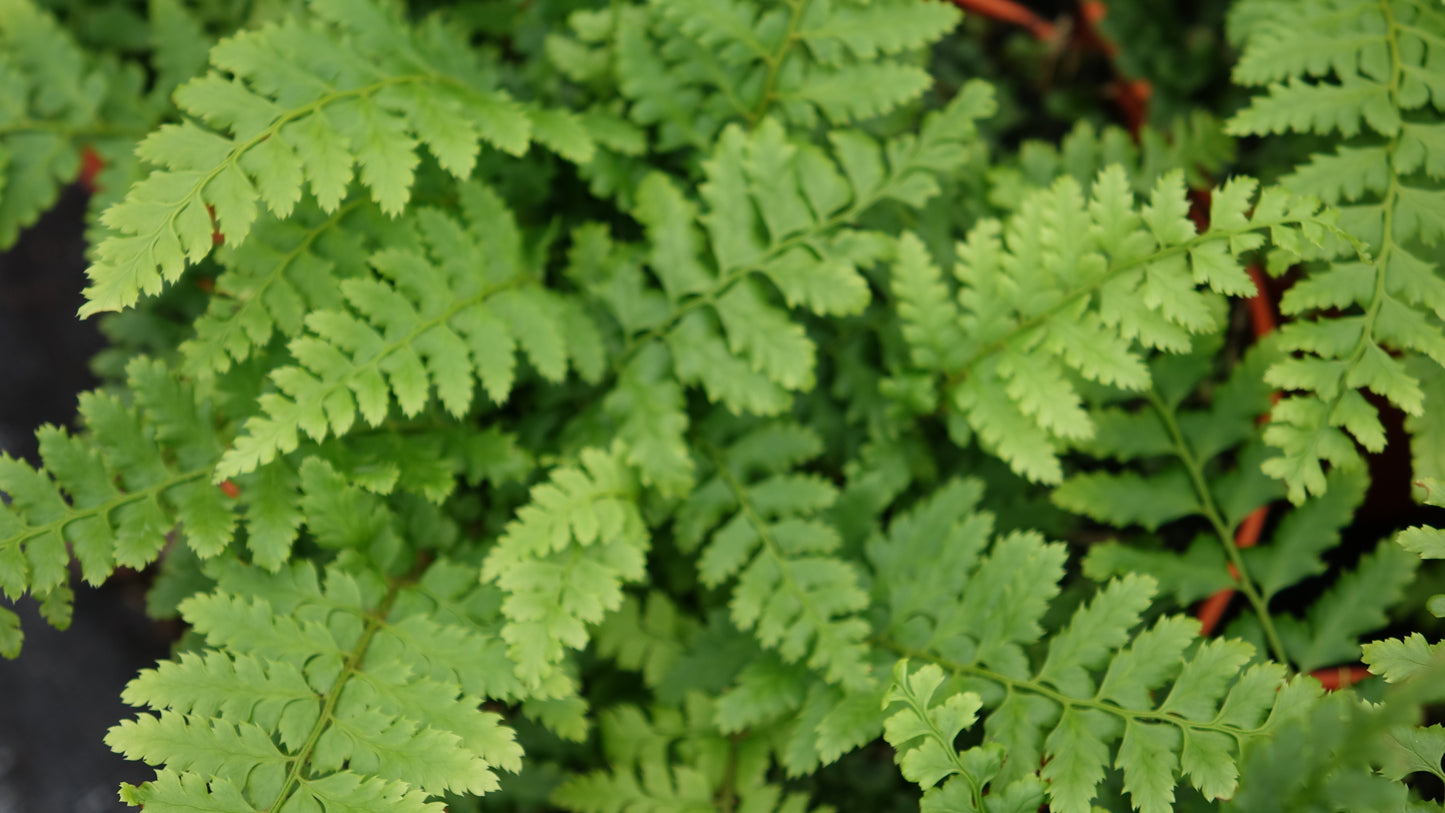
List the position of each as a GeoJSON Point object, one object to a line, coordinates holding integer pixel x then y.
{"type": "Point", "coordinates": [658, 406]}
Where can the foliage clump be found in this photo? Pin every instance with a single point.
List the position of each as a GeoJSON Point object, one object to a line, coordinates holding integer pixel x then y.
{"type": "Point", "coordinates": [658, 406]}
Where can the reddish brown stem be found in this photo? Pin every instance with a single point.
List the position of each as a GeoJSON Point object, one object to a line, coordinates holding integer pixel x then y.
{"type": "Point", "coordinates": [1261, 318]}
{"type": "Point", "coordinates": [90, 166]}
{"type": "Point", "coordinates": [1339, 677]}
{"type": "Point", "coordinates": [1010, 12]}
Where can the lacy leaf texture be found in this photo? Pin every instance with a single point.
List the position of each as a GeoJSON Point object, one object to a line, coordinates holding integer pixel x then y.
{"type": "Point", "coordinates": [728, 405]}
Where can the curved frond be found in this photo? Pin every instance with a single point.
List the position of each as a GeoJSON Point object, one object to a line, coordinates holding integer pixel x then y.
{"type": "Point", "coordinates": [1103, 691]}
{"type": "Point", "coordinates": [313, 693]}
{"type": "Point", "coordinates": [439, 320]}
{"type": "Point", "coordinates": [756, 523]}
{"type": "Point", "coordinates": [296, 105]}
{"type": "Point", "coordinates": [1369, 72]}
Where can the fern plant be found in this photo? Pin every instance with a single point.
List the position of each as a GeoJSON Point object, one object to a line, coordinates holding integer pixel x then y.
{"type": "Point", "coordinates": [708, 406]}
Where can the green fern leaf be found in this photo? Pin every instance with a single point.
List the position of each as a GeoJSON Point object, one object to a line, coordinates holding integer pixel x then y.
{"type": "Point", "coordinates": [792, 591]}
{"type": "Point", "coordinates": [709, 768]}
{"type": "Point", "coordinates": [429, 323]}
{"type": "Point", "coordinates": [310, 696]}
{"type": "Point", "coordinates": [1154, 702]}
{"type": "Point", "coordinates": [369, 100]}
{"type": "Point", "coordinates": [1396, 659]}
{"type": "Point", "coordinates": [269, 283]}
{"type": "Point", "coordinates": [562, 562]}
{"type": "Point", "coordinates": [1039, 305]}
{"type": "Point", "coordinates": [1345, 72]}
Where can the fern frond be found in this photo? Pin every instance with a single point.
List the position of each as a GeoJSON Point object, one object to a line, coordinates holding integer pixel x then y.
{"type": "Point", "coordinates": [268, 284]}
{"type": "Point", "coordinates": [676, 760]}
{"type": "Point", "coordinates": [55, 95]}
{"type": "Point", "coordinates": [1196, 146]}
{"type": "Point", "coordinates": [691, 68]}
{"type": "Point", "coordinates": [1154, 702]}
{"type": "Point", "coordinates": [1323, 753]}
{"type": "Point", "coordinates": [113, 496]}
{"type": "Point", "coordinates": [313, 693]}
{"type": "Point", "coordinates": [759, 520]}
{"type": "Point", "coordinates": [923, 734]}
{"type": "Point", "coordinates": [1066, 287]}
{"type": "Point", "coordinates": [1364, 70]}
{"type": "Point", "coordinates": [297, 104]}
{"type": "Point", "coordinates": [429, 322]}
{"type": "Point", "coordinates": [562, 562]}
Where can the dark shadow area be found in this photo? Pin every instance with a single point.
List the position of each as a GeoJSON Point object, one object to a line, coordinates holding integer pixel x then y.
{"type": "Point", "coordinates": [59, 697]}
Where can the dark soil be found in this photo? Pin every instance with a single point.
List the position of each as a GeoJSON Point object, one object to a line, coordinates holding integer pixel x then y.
{"type": "Point", "coordinates": [60, 696]}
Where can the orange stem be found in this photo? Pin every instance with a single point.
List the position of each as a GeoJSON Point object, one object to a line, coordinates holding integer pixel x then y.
{"type": "Point", "coordinates": [1339, 677]}
{"type": "Point", "coordinates": [1261, 317]}
{"type": "Point", "coordinates": [1010, 12]}
{"type": "Point", "coordinates": [90, 166]}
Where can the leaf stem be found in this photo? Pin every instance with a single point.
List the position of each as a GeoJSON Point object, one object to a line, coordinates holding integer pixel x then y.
{"type": "Point", "coordinates": [1186, 455]}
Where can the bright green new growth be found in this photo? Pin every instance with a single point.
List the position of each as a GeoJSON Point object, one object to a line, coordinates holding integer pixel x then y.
{"type": "Point", "coordinates": [1154, 703]}
{"type": "Point", "coordinates": [293, 106]}
{"type": "Point", "coordinates": [726, 421]}
{"type": "Point", "coordinates": [1068, 286]}
{"type": "Point", "coordinates": [319, 693]}
{"type": "Point", "coordinates": [429, 322]}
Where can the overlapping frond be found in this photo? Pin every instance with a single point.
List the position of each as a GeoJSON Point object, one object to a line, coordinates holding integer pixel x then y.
{"type": "Point", "coordinates": [1068, 287]}
{"type": "Point", "coordinates": [780, 222]}
{"type": "Point", "coordinates": [113, 495]}
{"type": "Point", "coordinates": [562, 562]}
{"type": "Point", "coordinates": [296, 105]}
{"type": "Point", "coordinates": [690, 68]}
{"type": "Point", "coordinates": [677, 760]}
{"type": "Point", "coordinates": [1156, 703]}
{"type": "Point", "coordinates": [334, 692]}
{"type": "Point", "coordinates": [439, 319]}
{"type": "Point", "coordinates": [54, 94]}
{"type": "Point", "coordinates": [1369, 72]}
{"type": "Point", "coordinates": [756, 521]}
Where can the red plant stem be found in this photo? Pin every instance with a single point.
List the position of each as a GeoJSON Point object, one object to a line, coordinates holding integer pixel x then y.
{"type": "Point", "coordinates": [1261, 312]}
{"type": "Point", "coordinates": [90, 166]}
{"type": "Point", "coordinates": [1261, 317]}
{"type": "Point", "coordinates": [1339, 677]}
{"type": "Point", "coordinates": [1010, 12]}
{"type": "Point", "coordinates": [1131, 95]}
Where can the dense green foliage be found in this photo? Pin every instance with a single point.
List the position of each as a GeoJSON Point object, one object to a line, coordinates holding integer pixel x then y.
{"type": "Point", "coordinates": [739, 405]}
